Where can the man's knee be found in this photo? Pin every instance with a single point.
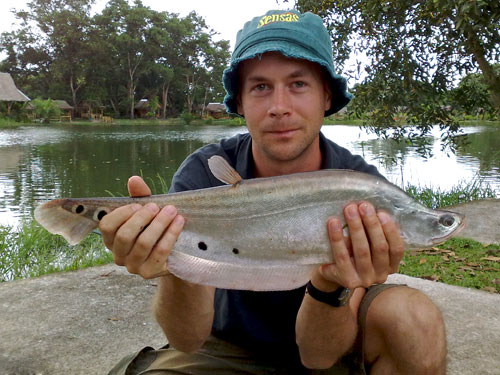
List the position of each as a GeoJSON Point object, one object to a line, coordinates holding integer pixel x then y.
{"type": "Point", "coordinates": [404, 324]}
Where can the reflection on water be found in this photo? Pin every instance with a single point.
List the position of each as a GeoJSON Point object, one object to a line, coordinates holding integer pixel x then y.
{"type": "Point", "coordinates": [41, 163]}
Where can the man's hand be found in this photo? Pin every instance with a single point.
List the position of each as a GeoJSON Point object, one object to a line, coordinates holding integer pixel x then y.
{"type": "Point", "coordinates": [370, 253]}
{"type": "Point", "coordinates": [141, 237]}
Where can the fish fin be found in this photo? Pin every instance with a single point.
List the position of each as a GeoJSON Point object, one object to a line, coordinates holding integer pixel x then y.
{"type": "Point", "coordinates": [223, 171]}
{"type": "Point", "coordinates": [224, 275]}
{"type": "Point", "coordinates": [57, 220]}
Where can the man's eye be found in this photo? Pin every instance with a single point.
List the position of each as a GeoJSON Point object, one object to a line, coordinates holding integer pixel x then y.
{"type": "Point", "coordinates": [299, 84]}
{"type": "Point", "coordinates": [260, 87]}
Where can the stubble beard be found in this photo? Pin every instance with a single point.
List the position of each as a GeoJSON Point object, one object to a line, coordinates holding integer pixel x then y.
{"type": "Point", "coordinates": [287, 153]}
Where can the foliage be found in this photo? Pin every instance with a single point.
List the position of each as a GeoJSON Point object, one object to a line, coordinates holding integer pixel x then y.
{"type": "Point", "coordinates": [472, 95]}
{"type": "Point", "coordinates": [153, 107]}
{"type": "Point", "coordinates": [113, 58]}
{"type": "Point", "coordinates": [30, 251]}
{"type": "Point", "coordinates": [460, 193]}
{"type": "Point", "coordinates": [416, 50]}
{"type": "Point", "coordinates": [45, 109]}
{"type": "Point", "coordinates": [187, 117]}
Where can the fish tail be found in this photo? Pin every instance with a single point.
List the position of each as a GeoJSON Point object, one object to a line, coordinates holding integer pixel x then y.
{"type": "Point", "coordinates": [73, 227]}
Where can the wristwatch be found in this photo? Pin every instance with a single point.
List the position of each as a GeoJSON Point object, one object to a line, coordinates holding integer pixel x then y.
{"type": "Point", "coordinates": [337, 298]}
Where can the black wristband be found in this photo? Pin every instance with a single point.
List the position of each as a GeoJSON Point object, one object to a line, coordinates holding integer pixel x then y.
{"type": "Point", "coordinates": [337, 298]}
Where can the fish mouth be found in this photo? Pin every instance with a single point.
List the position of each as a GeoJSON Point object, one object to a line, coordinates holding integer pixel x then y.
{"type": "Point", "coordinates": [438, 240]}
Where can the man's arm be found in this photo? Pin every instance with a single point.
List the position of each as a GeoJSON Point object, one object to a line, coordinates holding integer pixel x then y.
{"type": "Point", "coordinates": [141, 239]}
{"type": "Point", "coordinates": [372, 251]}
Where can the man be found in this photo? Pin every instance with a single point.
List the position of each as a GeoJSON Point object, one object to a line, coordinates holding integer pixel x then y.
{"type": "Point", "coordinates": [281, 79]}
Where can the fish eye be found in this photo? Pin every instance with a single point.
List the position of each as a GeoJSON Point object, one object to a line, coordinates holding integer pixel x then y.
{"type": "Point", "coordinates": [447, 220]}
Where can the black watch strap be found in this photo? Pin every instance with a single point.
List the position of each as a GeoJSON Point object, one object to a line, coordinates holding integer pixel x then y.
{"type": "Point", "coordinates": [337, 298]}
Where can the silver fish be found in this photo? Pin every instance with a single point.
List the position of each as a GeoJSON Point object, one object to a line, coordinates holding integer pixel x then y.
{"type": "Point", "coordinates": [263, 233]}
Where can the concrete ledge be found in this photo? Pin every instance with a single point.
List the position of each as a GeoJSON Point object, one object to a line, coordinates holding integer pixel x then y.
{"type": "Point", "coordinates": [84, 322]}
{"type": "Point", "coordinates": [79, 322]}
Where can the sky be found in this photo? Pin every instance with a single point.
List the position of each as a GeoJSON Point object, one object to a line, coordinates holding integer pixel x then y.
{"type": "Point", "coordinates": [224, 16]}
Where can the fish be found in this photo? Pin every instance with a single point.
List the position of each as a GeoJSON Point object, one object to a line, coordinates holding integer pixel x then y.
{"type": "Point", "coordinates": [260, 234]}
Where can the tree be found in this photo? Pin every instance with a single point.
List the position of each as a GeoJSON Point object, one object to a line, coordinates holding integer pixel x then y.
{"type": "Point", "coordinates": [416, 49]}
{"type": "Point", "coordinates": [126, 52]}
{"type": "Point", "coordinates": [202, 61]}
{"type": "Point", "coordinates": [472, 96]}
{"type": "Point", "coordinates": [45, 109]}
{"type": "Point", "coordinates": [129, 33]}
{"type": "Point", "coordinates": [61, 35]}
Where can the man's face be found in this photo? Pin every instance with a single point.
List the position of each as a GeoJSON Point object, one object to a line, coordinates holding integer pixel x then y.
{"type": "Point", "coordinates": [283, 101]}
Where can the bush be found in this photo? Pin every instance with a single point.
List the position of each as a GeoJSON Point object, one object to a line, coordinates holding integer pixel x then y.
{"type": "Point", "coordinates": [187, 117]}
{"type": "Point", "coordinates": [45, 109]}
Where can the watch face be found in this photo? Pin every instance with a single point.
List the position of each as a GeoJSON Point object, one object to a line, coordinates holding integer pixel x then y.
{"type": "Point", "coordinates": [345, 296]}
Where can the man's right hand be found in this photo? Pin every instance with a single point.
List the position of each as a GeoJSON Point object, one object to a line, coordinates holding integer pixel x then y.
{"type": "Point", "coordinates": [141, 237]}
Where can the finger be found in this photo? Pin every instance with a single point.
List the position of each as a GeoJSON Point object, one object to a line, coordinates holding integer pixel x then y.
{"type": "Point", "coordinates": [396, 243]}
{"type": "Point", "coordinates": [360, 244]}
{"type": "Point", "coordinates": [342, 271]}
{"type": "Point", "coordinates": [111, 222]}
{"type": "Point", "coordinates": [148, 238]}
{"type": "Point", "coordinates": [378, 244]}
{"type": "Point", "coordinates": [157, 262]}
{"type": "Point", "coordinates": [127, 234]}
{"type": "Point", "coordinates": [137, 187]}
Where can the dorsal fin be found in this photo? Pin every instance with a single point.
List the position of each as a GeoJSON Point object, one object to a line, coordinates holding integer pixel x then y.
{"type": "Point", "coordinates": [223, 171]}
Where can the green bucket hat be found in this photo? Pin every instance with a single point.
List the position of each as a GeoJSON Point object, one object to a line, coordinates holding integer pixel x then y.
{"type": "Point", "coordinates": [295, 35]}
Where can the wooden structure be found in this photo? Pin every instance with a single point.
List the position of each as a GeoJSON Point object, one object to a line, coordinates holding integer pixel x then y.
{"type": "Point", "coordinates": [215, 110]}
{"type": "Point", "coordinates": [66, 110]}
{"type": "Point", "coordinates": [89, 109]}
{"type": "Point", "coordinates": [9, 92]}
{"type": "Point", "coordinates": [143, 108]}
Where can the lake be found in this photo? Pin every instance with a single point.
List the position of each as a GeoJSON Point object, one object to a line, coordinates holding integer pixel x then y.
{"type": "Point", "coordinates": [38, 163]}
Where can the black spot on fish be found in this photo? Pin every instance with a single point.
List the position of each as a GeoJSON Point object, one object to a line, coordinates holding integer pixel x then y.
{"type": "Point", "coordinates": [236, 251]}
{"type": "Point", "coordinates": [79, 209]}
{"type": "Point", "coordinates": [202, 245]}
{"type": "Point", "coordinates": [101, 214]}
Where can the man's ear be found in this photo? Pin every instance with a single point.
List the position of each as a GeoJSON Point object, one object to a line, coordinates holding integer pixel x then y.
{"type": "Point", "coordinates": [328, 95]}
{"type": "Point", "coordinates": [239, 106]}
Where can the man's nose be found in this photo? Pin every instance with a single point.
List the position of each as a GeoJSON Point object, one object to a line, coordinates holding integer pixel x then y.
{"type": "Point", "coordinates": [281, 105]}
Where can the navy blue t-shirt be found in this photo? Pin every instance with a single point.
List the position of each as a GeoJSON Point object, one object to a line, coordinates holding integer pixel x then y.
{"type": "Point", "coordinates": [259, 321]}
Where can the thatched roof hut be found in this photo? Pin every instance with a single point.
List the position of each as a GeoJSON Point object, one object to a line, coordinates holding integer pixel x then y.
{"type": "Point", "coordinates": [216, 110]}
{"type": "Point", "coordinates": [63, 105]}
{"type": "Point", "coordinates": [9, 92]}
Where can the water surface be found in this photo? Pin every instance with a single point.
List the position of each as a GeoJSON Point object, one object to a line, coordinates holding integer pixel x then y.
{"type": "Point", "coordinates": [38, 163]}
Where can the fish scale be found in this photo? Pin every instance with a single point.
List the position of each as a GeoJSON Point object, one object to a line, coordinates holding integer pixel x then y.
{"type": "Point", "coordinates": [264, 233]}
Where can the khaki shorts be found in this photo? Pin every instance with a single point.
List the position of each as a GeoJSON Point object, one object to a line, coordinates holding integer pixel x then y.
{"type": "Point", "coordinates": [222, 358]}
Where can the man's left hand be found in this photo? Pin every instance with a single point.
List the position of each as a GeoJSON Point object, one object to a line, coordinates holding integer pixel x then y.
{"type": "Point", "coordinates": [370, 253]}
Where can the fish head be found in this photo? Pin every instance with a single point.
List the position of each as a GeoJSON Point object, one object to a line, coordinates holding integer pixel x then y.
{"type": "Point", "coordinates": [427, 228]}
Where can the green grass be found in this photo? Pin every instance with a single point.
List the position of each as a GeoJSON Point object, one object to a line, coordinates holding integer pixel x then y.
{"type": "Point", "coordinates": [464, 191]}
{"type": "Point", "coordinates": [236, 121]}
{"type": "Point", "coordinates": [9, 123]}
{"type": "Point", "coordinates": [458, 261]}
{"type": "Point", "coordinates": [31, 251]}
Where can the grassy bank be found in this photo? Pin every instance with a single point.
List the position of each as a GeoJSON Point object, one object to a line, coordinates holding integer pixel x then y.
{"type": "Point", "coordinates": [31, 251]}
{"type": "Point", "coordinates": [6, 123]}
{"type": "Point", "coordinates": [458, 261]}
{"type": "Point", "coordinates": [235, 121]}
